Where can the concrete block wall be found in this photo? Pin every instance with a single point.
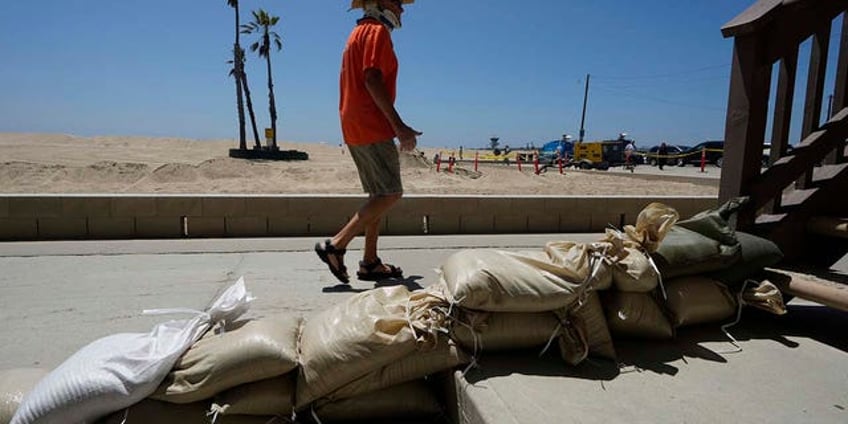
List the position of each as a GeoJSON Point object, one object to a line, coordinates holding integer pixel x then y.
{"type": "Point", "coordinates": [115, 216]}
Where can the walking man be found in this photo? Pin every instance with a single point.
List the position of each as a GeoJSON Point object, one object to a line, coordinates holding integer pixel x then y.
{"type": "Point", "coordinates": [369, 124]}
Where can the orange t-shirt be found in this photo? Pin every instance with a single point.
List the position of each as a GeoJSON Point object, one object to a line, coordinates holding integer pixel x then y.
{"type": "Point", "coordinates": [369, 46]}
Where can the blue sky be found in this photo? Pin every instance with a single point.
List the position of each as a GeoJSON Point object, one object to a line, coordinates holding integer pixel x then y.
{"type": "Point", "coordinates": [470, 69]}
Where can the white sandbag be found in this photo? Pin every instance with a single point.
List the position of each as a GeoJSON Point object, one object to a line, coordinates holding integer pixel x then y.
{"type": "Point", "coordinates": [255, 350]}
{"type": "Point", "coordinates": [632, 272]}
{"type": "Point", "coordinates": [500, 281]}
{"type": "Point", "coordinates": [498, 331]}
{"type": "Point", "coordinates": [273, 396]}
{"type": "Point", "coordinates": [697, 300]}
{"type": "Point", "coordinates": [396, 404]}
{"type": "Point", "coordinates": [14, 385]}
{"type": "Point", "coordinates": [117, 371]}
{"type": "Point", "coordinates": [417, 365]}
{"type": "Point", "coordinates": [635, 315]}
{"type": "Point", "coordinates": [150, 411]}
{"type": "Point", "coordinates": [362, 334]}
{"type": "Point", "coordinates": [652, 225]}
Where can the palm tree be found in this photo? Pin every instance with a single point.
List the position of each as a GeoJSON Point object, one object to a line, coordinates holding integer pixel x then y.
{"type": "Point", "coordinates": [261, 24]}
{"type": "Point", "coordinates": [238, 68]}
{"type": "Point", "coordinates": [246, 87]}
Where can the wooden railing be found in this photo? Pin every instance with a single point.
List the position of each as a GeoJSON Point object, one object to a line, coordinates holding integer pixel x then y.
{"type": "Point", "coordinates": [812, 178]}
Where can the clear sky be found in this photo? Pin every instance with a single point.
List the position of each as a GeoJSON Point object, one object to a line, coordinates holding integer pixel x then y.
{"type": "Point", "coordinates": [469, 69]}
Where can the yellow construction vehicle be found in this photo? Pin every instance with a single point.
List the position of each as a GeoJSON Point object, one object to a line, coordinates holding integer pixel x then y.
{"type": "Point", "coordinates": [600, 154]}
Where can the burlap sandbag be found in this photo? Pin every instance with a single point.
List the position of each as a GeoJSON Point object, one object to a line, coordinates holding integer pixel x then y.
{"type": "Point", "coordinates": [398, 403]}
{"type": "Point", "coordinates": [633, 272]}
{"type": "Point", "coordinates": [578, 260]}
{"type": "Point", "coordinates": [272, 396]}
{"type": "Point", "coordinates": [360, 335]}
{"type": "Point", "coordinates": [697, 300]}
{"type": "Point", "coordinates": [419, 364]}
{"type": "Point", "coordinates": [498, 331]}
{"type": "Point", "coordinates": [151, 411]}
{"type": "Point", "coordinates": [652, 225]}
{"type": "Point", "coordinates": [257, 350]}
{"type": "Point", "coordinates": [584, 331]}
{"type": "Point", "coordinates": [14, 385]}
{"type": "Point", "coordinates": [715, 223]}
{"type": "Point", "coordinates": [686, 252]}
{"type": "Point", "coordinates": [635, 315]}
{"type": "Point", "coordinates": [500, 281]}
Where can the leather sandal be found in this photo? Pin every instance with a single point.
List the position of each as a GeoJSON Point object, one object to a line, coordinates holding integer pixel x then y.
{"type": "Point", "coordinates": [374, 271]}
{"type": "Point", "coordinates": [324, 252]}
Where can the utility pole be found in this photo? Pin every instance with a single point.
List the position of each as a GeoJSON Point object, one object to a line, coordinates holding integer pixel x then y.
{"type": "Point", "coordinates": [583, 119]}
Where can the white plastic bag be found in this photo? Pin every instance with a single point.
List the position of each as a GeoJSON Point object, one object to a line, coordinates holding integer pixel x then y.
{"type": "Point", "coordinates": [117, 371]}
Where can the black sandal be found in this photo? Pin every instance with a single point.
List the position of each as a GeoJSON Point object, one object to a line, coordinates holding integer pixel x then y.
{"type": "Point", "coordinates": [324, 251]}
{"type": "Point", "coordinates": [372, 273]}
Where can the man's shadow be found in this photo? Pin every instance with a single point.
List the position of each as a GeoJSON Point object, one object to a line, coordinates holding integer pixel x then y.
{"type": "Point", "coordinates": [410, 282]}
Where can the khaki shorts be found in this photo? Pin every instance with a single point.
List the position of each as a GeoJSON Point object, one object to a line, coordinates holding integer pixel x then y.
{"type": "Point", "coordinates": [379, 167]}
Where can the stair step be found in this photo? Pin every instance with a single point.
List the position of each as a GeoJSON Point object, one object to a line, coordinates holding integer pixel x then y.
{"type": "Point", "coordinates": [828, 226]}
{"type": "Point", "coordinates": [827, 172]}
{"type": "Point", "coordinates": [796, 197]}
{"type": "Point", "coordinates": [770, 218]}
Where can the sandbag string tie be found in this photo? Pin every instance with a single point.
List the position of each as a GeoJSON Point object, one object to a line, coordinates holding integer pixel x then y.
{"type": "Point", "coordinates": [314, 415]}
{"type": "Point", "coordinates": [126, 415]}
{"type": "Point", "coordinates": [583, 290]}
{"type": "Point", "coordinates": [740, 303]}
{"type": "Point", "coordinates": [215, 410]}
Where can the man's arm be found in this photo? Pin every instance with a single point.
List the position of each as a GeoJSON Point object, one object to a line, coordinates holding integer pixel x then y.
{"type": "Point", "coordinates": [377, 89]}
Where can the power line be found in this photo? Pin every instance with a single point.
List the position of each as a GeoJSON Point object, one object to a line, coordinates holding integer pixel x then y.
{"type": "Point", "coordinates": [640, 96]}
{"type": "Point", "coordinates": [659, 76]}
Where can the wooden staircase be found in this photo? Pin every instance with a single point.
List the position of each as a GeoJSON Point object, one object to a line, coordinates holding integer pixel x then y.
{"type": "Point", "coordinates": [789, 202]}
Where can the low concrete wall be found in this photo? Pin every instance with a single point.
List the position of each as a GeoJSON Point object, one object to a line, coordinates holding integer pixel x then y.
{"type": "Point", "coordinates": [114, 216]}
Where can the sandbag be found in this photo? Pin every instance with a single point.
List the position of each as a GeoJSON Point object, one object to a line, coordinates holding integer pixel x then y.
{"type": "Point", "coordinates": [272, 396]}
{"type": "Point", "coordinates": [500, 281]}
{"type": "Point", "coordinates": [579, 260]}
{"type": "Point", "coordinates": [652, 224]}
{"type": "Point", "coordinates": [635, 315]}
{"type": "Point", "coordinates": [14, 385]}
{"type": "Point", "coordinates": [686, 252]}
{"type": "Point", "coordinates": [497, 331]}
{"type": "Point", "coordinates": [419, 364]}
{"type": "Point", "coordinates": [117, 371]}
{"type": "Point", "coordinates": [715, 223]}
{"type": "Point", "coordinates": [697, 300]}
{"type": "Point", "coordinates": [398, 403]}
{"type": "Point", "coordinates": [366, 332]}
{"type": "Point", "coordinates": [151, 411]}
{"type": "Point", "coordinates": [633, 272]}
{"type": "Point", "coordinates": [757, 253]}
{"type": "Point", "coordinates": [256, 350]}
{"type": "Point", "coordinates": [590, 315]}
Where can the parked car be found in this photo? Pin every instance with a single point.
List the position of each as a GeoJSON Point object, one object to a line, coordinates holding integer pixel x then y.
{"type": "Point", "coordinates": [714, 154]}
{"type": "Point", "coordinates": [650, 157]}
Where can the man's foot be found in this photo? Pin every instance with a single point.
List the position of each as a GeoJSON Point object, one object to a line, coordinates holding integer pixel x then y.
{"type": "Point", "coordinates": [377, 271]}
{"type": "Point", "coordinates": [334, 258]}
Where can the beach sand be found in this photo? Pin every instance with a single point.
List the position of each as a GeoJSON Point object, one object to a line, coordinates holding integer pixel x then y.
{"type": "Point", "coordinates": [55, 163]}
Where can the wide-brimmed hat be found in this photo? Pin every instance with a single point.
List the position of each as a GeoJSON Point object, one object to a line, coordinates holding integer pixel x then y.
{"type": "Point", "coordinates": [356, 4]}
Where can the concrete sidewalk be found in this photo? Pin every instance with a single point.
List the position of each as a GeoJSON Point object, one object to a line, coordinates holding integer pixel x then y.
{"type": "Point", "coordinates": [56, 297]}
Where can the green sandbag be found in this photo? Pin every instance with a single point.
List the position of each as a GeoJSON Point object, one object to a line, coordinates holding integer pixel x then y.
{"type": "Point", "coordinates": [715, 223]}
{"type": "Point", "coordinates": [757, 253]}
{"type": "Point", "coordinates": [686, 252]}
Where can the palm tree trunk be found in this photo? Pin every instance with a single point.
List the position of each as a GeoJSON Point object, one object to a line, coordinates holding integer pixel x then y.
{"type": "Point", "coordinates": [250, 109]}
{"type": "Point", "coordinates": [237, 61]}
{"type": "Point", "coordinates": [271, 104]}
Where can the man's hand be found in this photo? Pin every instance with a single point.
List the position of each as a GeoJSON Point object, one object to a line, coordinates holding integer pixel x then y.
{"type": "Point", "coordinates": [407, 137]}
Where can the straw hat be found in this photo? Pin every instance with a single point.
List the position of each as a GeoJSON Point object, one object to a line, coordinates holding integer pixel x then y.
{"type": "Point", "coordinates": [357, 4]}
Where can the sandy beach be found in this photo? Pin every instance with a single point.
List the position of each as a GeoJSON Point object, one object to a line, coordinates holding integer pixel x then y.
{"type": "Point", "coordinates": [55, 163]}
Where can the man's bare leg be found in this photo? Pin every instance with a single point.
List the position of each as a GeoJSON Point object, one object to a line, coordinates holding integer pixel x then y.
{"type": "Point", "coordinates": [369, 214]}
